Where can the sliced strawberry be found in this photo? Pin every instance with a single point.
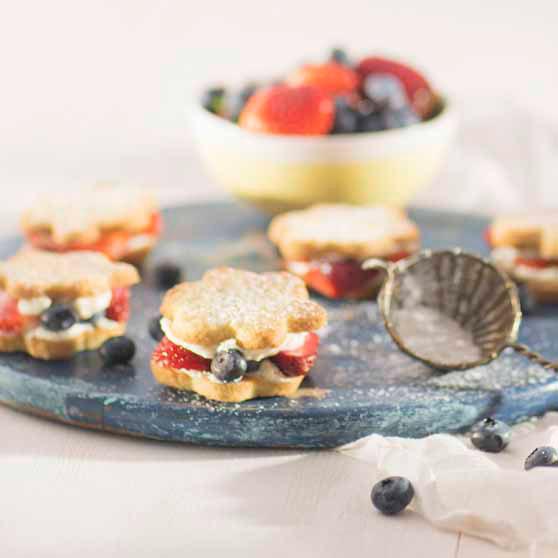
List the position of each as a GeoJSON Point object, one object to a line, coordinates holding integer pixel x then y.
{"type": "Point", "coordinates": [170, 355]}
{"type": "Point", "coordinates": [283, 109]}
{"type": "Point", "coordinates": [344, 278]}
{"type": "Point", "coordinates": [339, 279]}
{"type": "Point", "coordinates": [11, 321]}
{"type": "Point", "coordinates": [331, 78]}
{"type": "Point", "coordinates": [114, 244]}
{"type": "Point", "coordinates": [299, 361]}
{"type": "Point", "coordinates": [119, 308]}
{"type": "Point", "coordinates": [536, 263]}
{"type": "Point", "coordinates": [418, 90]}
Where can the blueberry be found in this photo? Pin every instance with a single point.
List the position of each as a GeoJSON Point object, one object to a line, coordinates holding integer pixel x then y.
{"type": "Point", "coordinates": [155, 328]}
{"type": "Point", "coordinates": [340, 56]}
{"type": "Point", "coordinates": [491, 435]}
{"type": "Point", "coordinates": [58, 317]}
{"type": "Point", "coordinates": [252, 365]}
{"type": "Point", "coordinates": [346, 118]}
{"type": "Point", "coordinates": [167, 275]}
{"type": "Point", "coordinates": [213, 99]}
{"type": "Point", "coordinates": [117, 350]}
{"type": "Point", "coordinates": [399, 118]}
{"type": "Point", "coordinates": [239, 99]}
{"type": "Point", "coordinates": [228, 366]}
{"type": "Point", "coordinates": [527, 301]}
{"type": "Point", "coordinates": [372, 122]}
{"type": "Point", "coordinates": [392, 495]}
{"type": "Point", "coordinates": [545, 456]}
{"type": "Point", "coordinates": [385, 91]}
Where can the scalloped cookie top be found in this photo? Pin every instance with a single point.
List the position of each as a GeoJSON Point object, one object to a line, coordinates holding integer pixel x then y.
{"type": "Point", "coordinates": [32, 273]}
{"type": "Point", "coordinates": [538, 231]}
{"type": "Point", "coordinates": [256, 309]}
{"type": "Point", "coordinates": [84, 213]}
{"type": "Point", "coordinates": [352, 231]}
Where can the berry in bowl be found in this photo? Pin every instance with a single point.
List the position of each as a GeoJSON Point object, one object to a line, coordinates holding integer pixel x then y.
{"type": "Point", "coordinates": [366, 131]}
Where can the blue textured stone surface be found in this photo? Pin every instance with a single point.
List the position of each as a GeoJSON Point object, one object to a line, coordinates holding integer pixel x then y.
{"type": "Point", "coordinates": [360, 384]}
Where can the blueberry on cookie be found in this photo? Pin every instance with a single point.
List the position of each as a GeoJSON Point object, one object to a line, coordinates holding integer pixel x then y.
{"type": "Point", "coordinates": [54, 305]}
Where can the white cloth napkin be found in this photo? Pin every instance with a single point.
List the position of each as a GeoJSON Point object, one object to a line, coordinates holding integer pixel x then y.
{"type": "Point", "coordinates": [461, 489]}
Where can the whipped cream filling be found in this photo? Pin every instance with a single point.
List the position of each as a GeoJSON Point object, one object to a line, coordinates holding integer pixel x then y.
{"type": "Point", "coordinates": [267, 371]}
{"type": "Point", "coordinates": [292, 341]}
{"type": "Point", "coordinates": [85, 306]}
{"type": "Point", "coordinates": [75, 331]}
{"type": "Point", "coordinates": [140, 241]}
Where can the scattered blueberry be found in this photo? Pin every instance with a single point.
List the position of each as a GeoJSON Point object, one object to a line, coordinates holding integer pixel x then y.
{"type": "Point", "coordinates": [392, 495]}
{"type": "Point", "coordinates": [228, 366]}
{"type": "Point", "coordinates": [58, 317]}
{"type": "Point", "coordinates": [167, 275]}
{"type": "Point", "coordinates": [491, 435]}
{"type": "Point", "coordinates": [237, 101]}
{"type": "Point", "coordinates": [399, 118]}
{"type": "Point", "coordinates": [385, 91]}
{"type": "Point", "coordinates": [340, 56]}
{"type": "Point", "coordinates": [346, 118]}
{"type": "Point", "coordinates": [117, 350]}
{"type": "Point", "coordinates": [213, 99]}
{"type": "Point", "coordinates": [545, 456]}
{"type": "Point", "coordinates": [155, 328]}
{"type": "Point", "coordinates": [526, 299]}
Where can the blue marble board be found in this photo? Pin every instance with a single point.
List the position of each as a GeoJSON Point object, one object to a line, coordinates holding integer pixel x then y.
{"type": "Point", "coordinates": [361, 383]}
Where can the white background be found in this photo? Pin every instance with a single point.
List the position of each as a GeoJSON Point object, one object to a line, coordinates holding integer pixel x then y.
{"type": "Point", "coordinates": [98, 90]}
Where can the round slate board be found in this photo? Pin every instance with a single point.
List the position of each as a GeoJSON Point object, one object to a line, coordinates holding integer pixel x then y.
{"type": "Point", "coordinates": [361, 383]}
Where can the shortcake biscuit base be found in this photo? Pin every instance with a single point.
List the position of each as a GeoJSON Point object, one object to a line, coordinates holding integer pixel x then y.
{"type": "Point", "coordinates": [84, 214]}
{"type": "Point", "coordinates": [60, 349]}
{"type": "Point", "coordinates": [249, 387]}
{"type": "Point", "coordinates": [537, 231]}
{"type": "Point", "coordinates": [258, 310]}
{"type": "Point", "coordinates": [32, 273]}
{"type": "Point", "coordinates": [357, 232]}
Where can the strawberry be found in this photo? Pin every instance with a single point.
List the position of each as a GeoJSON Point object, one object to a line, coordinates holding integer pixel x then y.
{"type": "Point", "coordinates": [113, 244]}
{"type": "Point", "coordinates": [418, 90]}
{"type": "Point", "coordinates": [536, 263]}
{"type": "Point", "coordinates": [283, 109]}
{"type": "Point", "coordinates": [488, 236]}
{"type": "Point", "coordinates": [343, 279]}
{"type": "Point", "coordinates": [11, 321]}
{"type": "Point", "coordinates": [298, 361]}
{"type": "Point", "coordinates": [170, 355]}
{"type": "Point", "coordinates": [332, 78]}
{"type": "Point", "coordinates": [119, 308]}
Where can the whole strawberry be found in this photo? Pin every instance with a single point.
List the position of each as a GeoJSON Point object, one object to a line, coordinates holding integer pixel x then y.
{"type": "Point", "coordinates": [332, 78]}
{"type": "Point", "coordinates": [418, 90]}
{"type": "Point", "coordinates": [285, 109]}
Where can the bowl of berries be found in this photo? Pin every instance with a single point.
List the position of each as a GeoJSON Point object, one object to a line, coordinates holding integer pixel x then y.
{"type": "Point", "coordinates": [364, 131]}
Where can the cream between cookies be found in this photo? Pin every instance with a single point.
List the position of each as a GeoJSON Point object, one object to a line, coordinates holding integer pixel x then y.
{"type": "Point", "coordinates": [292, 342]}
{"type": "Point", "coordinates": [85, 306]}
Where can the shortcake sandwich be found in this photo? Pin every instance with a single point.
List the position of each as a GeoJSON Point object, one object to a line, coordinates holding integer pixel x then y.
{"type": "Point", "coordinates": [237, 335]}
{"type": "Point", "coordinates": [124, 223]}
{"type": "Point", "coordinates": [327, 244]}
{"type": "Point", "coordinates": [55, 305]}
{"type": "Point", "coordinates": [526, 247]}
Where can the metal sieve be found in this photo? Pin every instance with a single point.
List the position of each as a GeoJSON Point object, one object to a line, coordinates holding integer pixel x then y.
{"type": "Point", "coordinates": [451, 309]}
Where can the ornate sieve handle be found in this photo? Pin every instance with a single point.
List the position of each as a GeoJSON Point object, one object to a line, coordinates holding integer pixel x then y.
{"type": "Point", "coordinates": [374, 263]}
{"type": "Point", "coordinates": [534, 356]}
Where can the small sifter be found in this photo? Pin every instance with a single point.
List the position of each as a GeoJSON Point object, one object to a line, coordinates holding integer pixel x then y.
{"type": "Point", "coordinates": [451, 309]}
